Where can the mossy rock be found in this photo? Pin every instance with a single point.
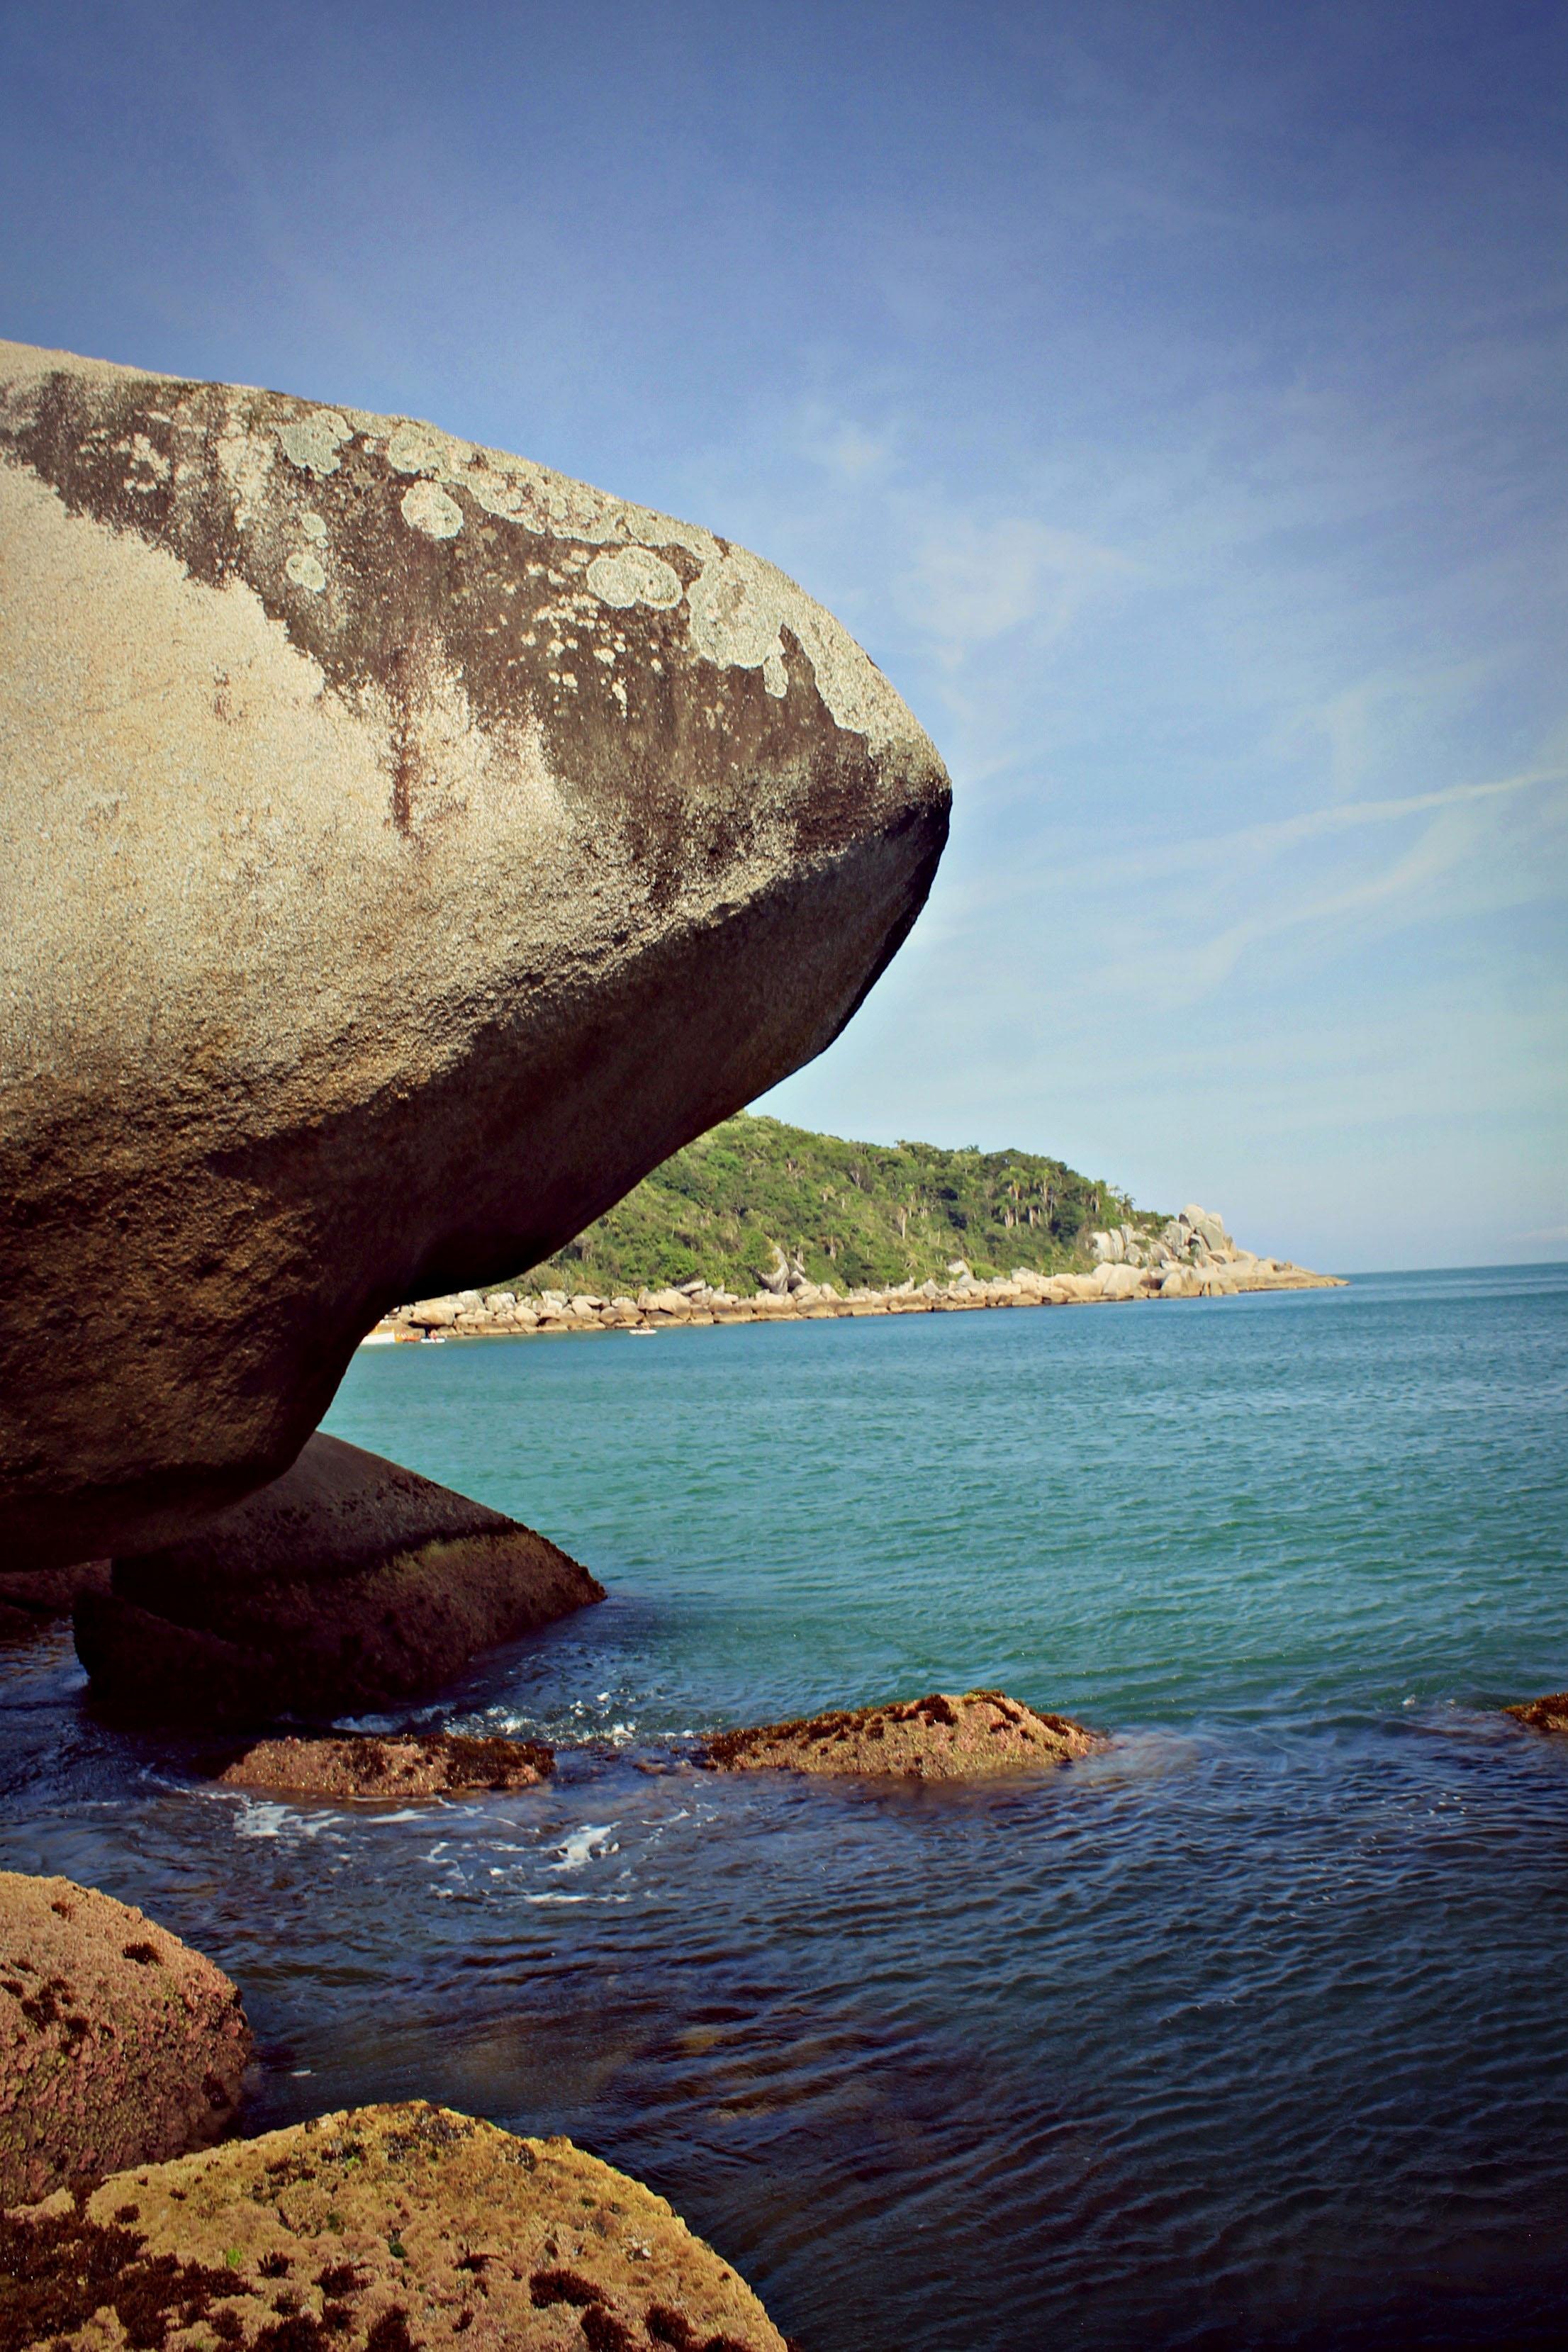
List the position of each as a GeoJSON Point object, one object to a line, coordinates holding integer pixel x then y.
{"type": "Point", "coordinates": [388, 2229]}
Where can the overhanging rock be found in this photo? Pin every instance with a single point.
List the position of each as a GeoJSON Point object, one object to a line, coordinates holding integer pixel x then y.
{"type": "Point", "coordinates": [403, 849]}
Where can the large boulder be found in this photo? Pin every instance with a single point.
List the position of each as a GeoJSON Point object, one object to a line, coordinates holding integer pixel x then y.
{"type": "Point", "coordinates": [118, 2044]}
{"type": "Point", "coordinates": [378, 2229]}
{"type": "Point", "coordinates": [403, 849]}
{"type": "Point", "coordinates": [348, 1582]}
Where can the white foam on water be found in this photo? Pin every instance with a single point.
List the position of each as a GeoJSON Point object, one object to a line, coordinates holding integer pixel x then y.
{"type": "Point", "coordinates": [261, 1818]}
{"type": "Point", "coordinates": [585, 1845]}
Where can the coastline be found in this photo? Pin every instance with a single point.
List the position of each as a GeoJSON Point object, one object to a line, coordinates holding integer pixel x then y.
{"type": "Point", "coordinates": [1227, 1273]}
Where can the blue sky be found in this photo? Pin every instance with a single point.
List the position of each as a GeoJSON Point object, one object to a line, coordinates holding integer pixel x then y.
{"type": "Point", "coordinates": [1171, 398]}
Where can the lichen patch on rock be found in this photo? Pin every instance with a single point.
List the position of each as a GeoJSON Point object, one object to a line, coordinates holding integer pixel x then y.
{"type": "Point", "coordinates": [635, 577]}
{"type": "Point", "coordinates": [391, 2229]}
{"type": "Point", "coordinates": [941, 1737]}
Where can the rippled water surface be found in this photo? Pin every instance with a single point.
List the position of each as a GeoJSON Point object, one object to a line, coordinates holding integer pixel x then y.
{"type": "Point", "coordinates": [1252, 2031]}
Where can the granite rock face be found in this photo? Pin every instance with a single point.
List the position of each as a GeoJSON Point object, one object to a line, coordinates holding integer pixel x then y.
{"type": "Point", "coordinates": [118, 2044]}
{"type": "Point", "coordinates": [347, 1582]}
{"type": "Point", "coordinates": [944, 1737]}
{"type": "Point", "coordinates": [396, 1767]}
{"type": "Point", "coordinates": [378, 2229]}
{"type": "Point", "coordinates": [403, 849]}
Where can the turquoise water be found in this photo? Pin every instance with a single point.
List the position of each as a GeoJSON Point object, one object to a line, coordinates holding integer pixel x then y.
{"type": "Point", "coordinates": [1252, 2031]}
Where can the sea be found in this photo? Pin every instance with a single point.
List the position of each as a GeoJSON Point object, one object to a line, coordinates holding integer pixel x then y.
{"type": "Point", "coordinates": [1251, 2031]}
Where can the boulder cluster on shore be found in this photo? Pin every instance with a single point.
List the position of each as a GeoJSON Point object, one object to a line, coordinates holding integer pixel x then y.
{"type": "Point", "coordinates": [1192, 1257]}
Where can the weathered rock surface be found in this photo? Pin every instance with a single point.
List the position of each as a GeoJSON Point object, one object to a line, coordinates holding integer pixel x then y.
{"type": "Point", "coordinates": [374, 2229]}
{"type": "Point", "coordinates": [347, 1582]}
{"type": "Point", "coordinates": [403, 849]}
{"type": "Point", "coordinates": [1543, 1714]}
{"type": "Point", "coordinates": [118, 2044]}
{"type": "Point", "coordinates": [939, 1738]}
{"type": "Point", "coordinates": [400, 1765]}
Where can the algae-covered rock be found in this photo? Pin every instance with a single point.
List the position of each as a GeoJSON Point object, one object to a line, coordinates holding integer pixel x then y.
{"type": "Point", "coordinates": [118, 2044]}
{"type": "Point", "coordinates": [941, 1737]}
{"type": "Point", "coordinates": [374, 2229]}
{"type": "Point", "coordinates": [347, 1582]}
{"type": "Point", "coordinates": [403, 849]}
{"type": "Point", "coordinates": [1543, 1714]}
{"type": "Point", "coordinates": [397, 1765]}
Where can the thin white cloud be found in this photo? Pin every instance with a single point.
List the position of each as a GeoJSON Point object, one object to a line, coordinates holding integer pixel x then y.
{"type": "Point", "coordinates": [969, 582]}
{"type": "Point", "coordinates": [1222, 857]}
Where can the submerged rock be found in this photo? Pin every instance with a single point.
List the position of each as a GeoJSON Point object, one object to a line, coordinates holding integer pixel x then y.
{"type": "Point", "coordinates": [1543, 1714]}
{"type": "Point", "coordinates": [400, 1764]}
{"type": "Point", "coordinates": [347, 1582]}
{"type": "Point", "coordinates": [118, 2044]}
{"type": "Point", "coordinates": [403, 850]}
{"type": "Point", "coordinates": [377, 2230]}
{"type": "Point", "coordinates": [939, 1738]}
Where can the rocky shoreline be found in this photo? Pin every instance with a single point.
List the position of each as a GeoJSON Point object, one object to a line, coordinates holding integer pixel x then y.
{"type": "Point", "coordinates": [1192, 1256]}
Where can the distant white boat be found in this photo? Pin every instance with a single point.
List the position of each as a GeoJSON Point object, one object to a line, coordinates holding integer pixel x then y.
{"type": "Point", "coordinates": [381, 1337]}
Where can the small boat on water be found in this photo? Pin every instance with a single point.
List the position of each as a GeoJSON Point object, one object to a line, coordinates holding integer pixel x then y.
{"type": "Point", "coordinates": [382, 1335]}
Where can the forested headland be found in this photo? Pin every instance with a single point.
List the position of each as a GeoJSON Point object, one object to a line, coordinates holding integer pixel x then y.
{"type": "Point", "coordinates": [844, 1213]}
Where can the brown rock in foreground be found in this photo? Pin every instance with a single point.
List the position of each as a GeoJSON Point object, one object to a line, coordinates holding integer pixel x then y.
{"type": "Point", "coordinates": [118, 2044]}
{"type": "Point", "coordinates": [403, 1764]}
{"type": "Point", "coordinates": [403, 849]}
{"type": "Point", "coordinates": [1543, 1714]}
{"type": "Point", "coordinates": [375, 2229]}
{"type": "Point", "coordinates": [348, 1582]}
{"type": "Point", "coordinates": [939, 1738]}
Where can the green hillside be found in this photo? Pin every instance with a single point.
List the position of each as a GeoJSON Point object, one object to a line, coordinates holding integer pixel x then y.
{"type": "Point", "coordinates": [851, 1213]}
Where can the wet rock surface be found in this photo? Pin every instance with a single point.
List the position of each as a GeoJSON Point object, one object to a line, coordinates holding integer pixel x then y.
{"type": "Point", "coordinates": [397, 1765]}
{"type": "Point", "coordinates": [1543, 1714]}
{"type": "Point", "coordinates": [33, 1598]}
{"type": "Point", "coordinates": [348, 1582]}
{"type": "Point", "coordinates": [535, 833]}
{"type": "Point", "coordinates": [118, 2044]}
{"type": "Point", "coordinates": [941, 1737]}
{"type": "Point", "coordinates": [374, 2229]}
